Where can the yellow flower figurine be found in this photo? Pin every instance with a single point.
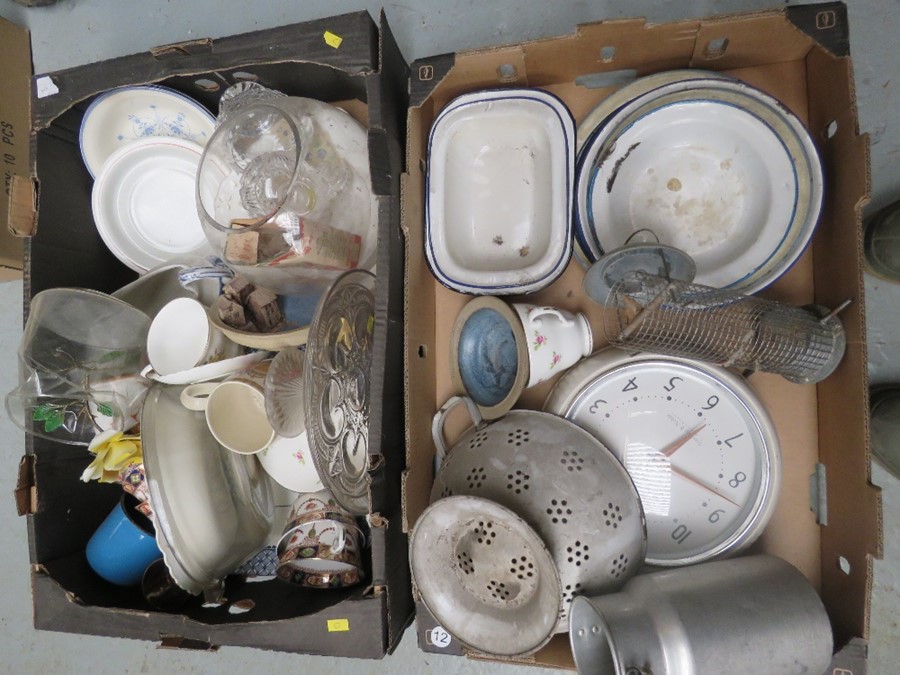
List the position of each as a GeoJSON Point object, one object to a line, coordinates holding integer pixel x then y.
{"type": "Point", "coordinates": [114, 451]}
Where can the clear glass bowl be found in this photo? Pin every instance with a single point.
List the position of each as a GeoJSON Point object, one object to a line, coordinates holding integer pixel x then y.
{"type": "Point", "coordinates": [284, 194]}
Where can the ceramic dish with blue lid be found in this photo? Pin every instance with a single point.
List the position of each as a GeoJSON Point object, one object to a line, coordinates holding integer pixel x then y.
{"type": "Point", "coordinates": [498, 196]}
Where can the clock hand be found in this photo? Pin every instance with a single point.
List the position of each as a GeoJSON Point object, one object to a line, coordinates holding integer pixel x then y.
{"type": "Point", "coordinates": [695, 481]}
{"type": "Point", "coordinates": [678, 442]}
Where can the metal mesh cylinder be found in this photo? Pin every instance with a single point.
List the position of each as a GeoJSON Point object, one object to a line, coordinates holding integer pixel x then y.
{"type": "Point", "coordinates": [650, 313]}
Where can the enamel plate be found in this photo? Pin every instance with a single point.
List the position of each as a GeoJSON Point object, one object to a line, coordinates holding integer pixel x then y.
{"type": "Point", "coordinates": [713, 167]}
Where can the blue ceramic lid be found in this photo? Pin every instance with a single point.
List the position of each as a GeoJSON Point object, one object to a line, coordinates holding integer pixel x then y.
{"type": "Point", "coordinates": [488, 355]}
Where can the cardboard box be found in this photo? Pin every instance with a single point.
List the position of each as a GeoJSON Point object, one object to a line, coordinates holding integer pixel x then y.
{"type": "Point", "coordinates": [349, 60]}
{"type": "Point", "coordinates": [15, 111]}
{"type": "Point", "coordinates": [800, 55]}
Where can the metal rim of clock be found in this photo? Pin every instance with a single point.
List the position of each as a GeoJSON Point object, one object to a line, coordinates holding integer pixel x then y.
{"type": "Point", "coordinates": [573, 387]}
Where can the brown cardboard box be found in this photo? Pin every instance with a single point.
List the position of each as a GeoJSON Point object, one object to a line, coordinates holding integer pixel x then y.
{"type": "Point", "coordinates": [799, 55]}
{"type": "Point", "coordinates": [364, 71]}
{"type": "Point", "coordinates": [15, 111]}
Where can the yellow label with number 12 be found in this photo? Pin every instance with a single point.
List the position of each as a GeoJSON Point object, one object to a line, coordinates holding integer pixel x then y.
{"type": "Point", "coordinates": [338, 625]}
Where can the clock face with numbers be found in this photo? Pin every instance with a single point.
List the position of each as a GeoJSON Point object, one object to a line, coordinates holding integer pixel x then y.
{"type": "Point", "coordinates": [696, 441]}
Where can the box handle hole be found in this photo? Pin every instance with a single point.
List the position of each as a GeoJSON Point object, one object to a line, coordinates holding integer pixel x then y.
{"type": "Point", "coordinates": [207, 85]}
{"type": "Point", "coordinates": [844, 565]}
{"type": "Point", "coordinates": [715, 48]}
{"type": "Point", "coordinates": [244, 76]}
{"type": "Point", "coordinates": [508, 72]}
{"type": "Point", "coordinates": [423, 351]}
{"type": "Point", "coordinates": [609, 78]}
{"type": "Point", "coordinates": [608, 54]}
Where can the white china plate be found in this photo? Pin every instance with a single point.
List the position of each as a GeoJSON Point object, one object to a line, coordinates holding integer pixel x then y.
{"type": "Point", "coordinates": [713, 167]}
{"type": "Point", "coordinates": [144, 203]}
{"type": "Point", "coordinates": [124, 115]}
{"type": "Point", "coordinates": [289, 462]}
{"type": "Point", "coordinates": [213, 508]}
{"type": "Point", "coordinates": [209, 371]}
{"type": "Point", "coordinates": [498, 197]}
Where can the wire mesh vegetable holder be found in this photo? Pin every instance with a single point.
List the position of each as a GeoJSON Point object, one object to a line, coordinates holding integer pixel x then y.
{"type": "Point", "coordinates": [648, 312]}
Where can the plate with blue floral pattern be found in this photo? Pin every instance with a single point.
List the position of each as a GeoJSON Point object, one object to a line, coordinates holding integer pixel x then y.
{"type": "Point", "coordinates": [126, 114]}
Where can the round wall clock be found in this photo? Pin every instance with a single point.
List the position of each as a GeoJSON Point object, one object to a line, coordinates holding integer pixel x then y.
{"type": "Point", "coordinates": [696, 441]}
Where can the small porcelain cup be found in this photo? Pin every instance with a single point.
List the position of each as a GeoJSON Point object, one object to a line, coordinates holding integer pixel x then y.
{"type": "Point", "coordinates": [557, 339]}
{"type": "Point", "coordinates": [182, 337]}
{"type": "Point", "coordinates": [235, 409]}
{"type": "Point", "coordinates": [124, 544]}
{"type": "Point", "coordinates": [320, 549]}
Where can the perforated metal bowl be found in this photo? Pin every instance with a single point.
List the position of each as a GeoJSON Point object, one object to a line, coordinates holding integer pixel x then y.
{"type": "Point", "coordinates": [563, 482]}
{"type": "Point", "coordinates": [485, 575]}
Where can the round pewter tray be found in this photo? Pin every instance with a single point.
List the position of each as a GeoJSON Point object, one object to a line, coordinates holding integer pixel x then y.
{"type": "Point", "coordinates": [336, 383]}
{"type": "Point", "coordinates": [485, 575]}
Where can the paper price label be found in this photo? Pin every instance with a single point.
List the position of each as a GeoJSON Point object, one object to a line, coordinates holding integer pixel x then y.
{"type": "Point", "coordinates": [338, 625]}
{"type": "Point", "coordinates": [332, 40]}
{"type": "Point", "coordinates": [440, 638]}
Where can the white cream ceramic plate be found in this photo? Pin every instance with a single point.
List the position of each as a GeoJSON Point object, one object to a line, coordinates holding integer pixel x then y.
{"type": "Point", "coordinates": [127, 114]}
{"type": "Point", "coordinates": [289, 463]}
{"type": "Point", "coordinates": [713, 167]}
{"type": "Point", "coordinates": [144, 203]}
{"type": "Point", "coordinates": [207, 372]}
{"type": "Point", "coordinates": [498, 197]}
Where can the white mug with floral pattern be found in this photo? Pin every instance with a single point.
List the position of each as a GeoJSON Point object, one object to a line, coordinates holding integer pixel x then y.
{"type": "Point", "coordinates": [556, 339]}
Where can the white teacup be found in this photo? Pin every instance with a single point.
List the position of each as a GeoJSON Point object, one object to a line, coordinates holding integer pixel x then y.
{"type": "Point", "coordinates": [556, 339]}
{"type": "Point", "coordinates": [182, 337]}
{"type": "Point", "coordinates": [235, 410]}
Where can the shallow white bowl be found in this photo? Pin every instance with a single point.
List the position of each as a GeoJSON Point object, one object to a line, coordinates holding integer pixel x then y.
{"type": "Point", "coordinates": [498, 196]}
{"type": "Point", "coordinates": [143, 203]}
{"type": "Point", "coordinates": [122, 116]}
{"type": "Point", "coordinates": [713, 167]}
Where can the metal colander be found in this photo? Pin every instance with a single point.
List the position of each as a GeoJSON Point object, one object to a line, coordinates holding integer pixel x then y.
{"type": "Point", "coordinates": [563, 482]}
{"type": "Point", "coordinates": [485, 575]}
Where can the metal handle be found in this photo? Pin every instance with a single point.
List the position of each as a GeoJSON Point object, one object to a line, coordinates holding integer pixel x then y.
{"type": "Point", "coordinates": [437, 425]}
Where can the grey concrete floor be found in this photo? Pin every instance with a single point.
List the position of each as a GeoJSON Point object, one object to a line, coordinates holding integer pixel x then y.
{"type": "Point", "coordinates": [75, 32]}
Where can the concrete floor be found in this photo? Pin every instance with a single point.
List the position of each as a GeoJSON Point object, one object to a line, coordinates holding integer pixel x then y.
{"type": "Point", "coordinates": [75, 32]}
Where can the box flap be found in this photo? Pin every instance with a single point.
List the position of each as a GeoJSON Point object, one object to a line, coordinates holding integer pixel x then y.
{"type": "Point", "coordinates": [827, 24]}
{"type": "Point", "coordinates": [15, 116]}
{"type": "Point", "coordinates": [26, 492]}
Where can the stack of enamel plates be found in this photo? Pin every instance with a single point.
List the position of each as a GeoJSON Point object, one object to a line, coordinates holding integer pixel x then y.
{"type": "Point", "coordinates": [143, 146]}
{"type": "Point", "coordinates": [709, 165]}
